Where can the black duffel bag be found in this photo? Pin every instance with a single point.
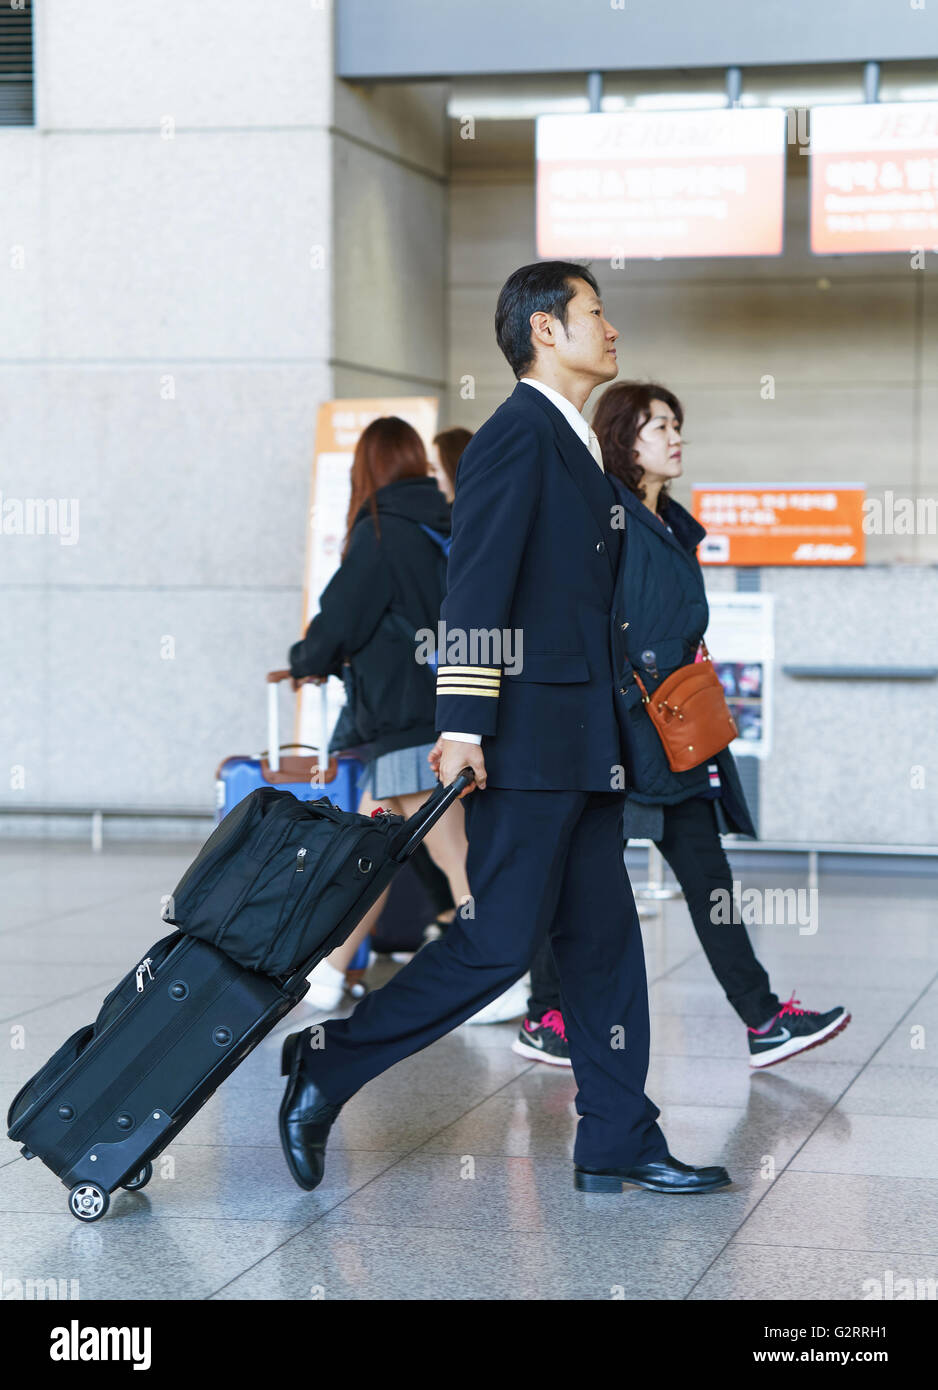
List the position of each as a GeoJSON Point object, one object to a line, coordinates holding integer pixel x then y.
{"type": "Point", "coordinates": [280, 882]}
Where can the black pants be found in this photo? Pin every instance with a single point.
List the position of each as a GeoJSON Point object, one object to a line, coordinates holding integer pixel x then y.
{"type": "Point", "coordinates": [541, 864]}
{"type": "Point", "coordinates": [691, 845]}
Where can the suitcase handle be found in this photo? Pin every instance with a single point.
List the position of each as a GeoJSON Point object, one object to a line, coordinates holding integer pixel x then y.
{"type": "Point", "coordinates": [307, 748]}
{"type": "Point", "coordinates": [427, 815]}
{"type": "Point", "coordinates": [274, 745]}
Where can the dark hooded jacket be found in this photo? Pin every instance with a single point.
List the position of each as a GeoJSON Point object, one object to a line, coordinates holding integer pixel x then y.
{"type": "Point", "coordinates": [389, 585]}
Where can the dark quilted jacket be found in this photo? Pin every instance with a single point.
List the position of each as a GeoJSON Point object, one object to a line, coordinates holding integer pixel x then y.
{"type": "Point", "coordinates": [661, 595]}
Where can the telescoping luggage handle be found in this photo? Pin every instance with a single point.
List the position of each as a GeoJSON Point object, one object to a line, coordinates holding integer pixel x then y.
{"type": "Point", "coordinates": [273, 728]}
{"type": "Point", "coordinates": [415, 828]}
{"type": "Point", "coordinates": [430, 812]}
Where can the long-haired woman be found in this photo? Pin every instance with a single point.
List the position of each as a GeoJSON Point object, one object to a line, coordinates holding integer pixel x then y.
{"type": "Point", "coordinates": [389, 584]}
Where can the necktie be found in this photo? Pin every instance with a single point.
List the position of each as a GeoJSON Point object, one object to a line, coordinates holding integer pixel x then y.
{"type": "Point", "coordinates": [595, 450]}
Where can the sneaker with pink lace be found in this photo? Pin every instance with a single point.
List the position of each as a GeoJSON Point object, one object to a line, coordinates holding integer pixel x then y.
{"type": "Point", "coordinates": [544, 1040]}
{"type": "Point", "coordinates": [793, 1030]}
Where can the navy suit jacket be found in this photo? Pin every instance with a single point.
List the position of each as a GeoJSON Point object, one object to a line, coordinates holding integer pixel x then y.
{"type": "Point", "coordinates": [534, 554]}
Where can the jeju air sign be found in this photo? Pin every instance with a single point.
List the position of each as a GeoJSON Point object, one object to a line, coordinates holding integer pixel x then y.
{"type": "Point", "coordinates": [874, 177]}
{"type": "Point", "coordinates": [780, 524]}
{"type": "Point", "coordinates": [661, 184]}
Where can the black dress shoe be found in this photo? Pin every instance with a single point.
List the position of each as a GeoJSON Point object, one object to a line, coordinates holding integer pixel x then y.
{"type": "Point", "coordinates": [306, 1117]}
{"type": "Point", "coordinates": [668, 1175]}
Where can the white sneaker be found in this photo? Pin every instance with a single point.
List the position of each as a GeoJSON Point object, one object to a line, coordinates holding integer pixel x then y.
{"type": "Point", "coordinates": [511, 1004]}
{"type": "Point", "coordinates": [326, 986]}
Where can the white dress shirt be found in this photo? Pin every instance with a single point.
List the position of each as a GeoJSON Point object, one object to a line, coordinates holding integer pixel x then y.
{"type": "Point", "coordinates": [582, 429]}
{"type": "Point", "coordinates": [580, 426]}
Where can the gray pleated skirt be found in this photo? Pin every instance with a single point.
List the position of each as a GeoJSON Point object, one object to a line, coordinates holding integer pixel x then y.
{"type": "Point", "coordinates": [400, 773]}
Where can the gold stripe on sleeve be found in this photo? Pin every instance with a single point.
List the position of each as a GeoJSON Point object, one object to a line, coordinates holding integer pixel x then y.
{"type": "Point", "coordinates": [465, 690]}
{"type": "Point", "coordinates": [469, 670]}
{"type": "Point", "coordinates": [483, 682]}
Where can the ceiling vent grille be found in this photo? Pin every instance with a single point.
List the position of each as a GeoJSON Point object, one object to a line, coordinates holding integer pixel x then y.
{"type": "Point", "coordinates": [16, 62]}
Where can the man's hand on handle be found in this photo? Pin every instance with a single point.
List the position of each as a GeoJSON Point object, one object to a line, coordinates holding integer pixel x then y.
{"type": "Point", "coordinates": [449, 756]}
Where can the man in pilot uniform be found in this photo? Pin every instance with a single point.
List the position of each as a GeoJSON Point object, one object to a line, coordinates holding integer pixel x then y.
{"type": "Point", "coordinates": [525, 697]}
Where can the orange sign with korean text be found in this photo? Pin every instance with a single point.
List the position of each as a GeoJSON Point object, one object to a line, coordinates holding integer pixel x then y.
{"type": "Point", "coordinates": [661, 183]}
{"type": "Point", "coordinates": [874, 177]}
{"type": "Point", "coordinates": [780, 524]}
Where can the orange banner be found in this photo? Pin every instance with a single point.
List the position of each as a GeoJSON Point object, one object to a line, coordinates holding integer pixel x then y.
{"type": "Point", "coordinates": [808, 524]}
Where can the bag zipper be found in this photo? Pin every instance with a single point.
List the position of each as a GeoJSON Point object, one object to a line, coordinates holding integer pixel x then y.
{"type": "Point", "coordinates": [294, 890]}
{"type": "Point", "coordinates": [89, 1050]}
{"type": "Point", "coordinates": [144, 965]}
{"type": "Point", "coordinates": [327, 812]}
{"type": "Point", "coordinates": [226, 848]}
{"type": "Point", "coordinates": [323, 869]}
{"type": "Point", "coordinates": [235, 908]}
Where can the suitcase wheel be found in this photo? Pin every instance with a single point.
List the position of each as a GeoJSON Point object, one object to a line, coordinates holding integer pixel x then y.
{"type": "Point", "coordinates": [88, 1202]}
{"type": "Point", "coordinates": [141, 1179]}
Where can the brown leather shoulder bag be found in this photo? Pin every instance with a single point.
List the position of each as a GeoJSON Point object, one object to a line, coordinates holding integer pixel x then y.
{"type": "Point", "coordinates": [690, 714]}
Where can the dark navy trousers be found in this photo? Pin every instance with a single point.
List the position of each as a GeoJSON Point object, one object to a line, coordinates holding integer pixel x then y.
{"type": "Point", "coordinates": [691, 845]}
{"type": "Point", "coordinates": [541, 863]}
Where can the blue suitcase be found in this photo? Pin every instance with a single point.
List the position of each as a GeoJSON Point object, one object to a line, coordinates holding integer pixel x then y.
{"type": "Point", "coordinates": [298, 773]}
{"type": "Point", "coordinates": [307, 777]}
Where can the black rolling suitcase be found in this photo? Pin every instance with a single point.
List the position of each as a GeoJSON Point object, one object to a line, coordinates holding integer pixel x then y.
{"type": "Point", "coordinates": [121, 1089]}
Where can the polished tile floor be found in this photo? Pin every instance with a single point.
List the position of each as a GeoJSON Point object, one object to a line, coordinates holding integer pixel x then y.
{"type": "Point", "coordinates": [450, 1176]}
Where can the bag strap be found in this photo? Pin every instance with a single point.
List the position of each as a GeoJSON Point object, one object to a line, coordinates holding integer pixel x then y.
{"type": "Point", "coordinates": [640, 683]}
{"type": "Point", "coordinates": [442, 542]}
